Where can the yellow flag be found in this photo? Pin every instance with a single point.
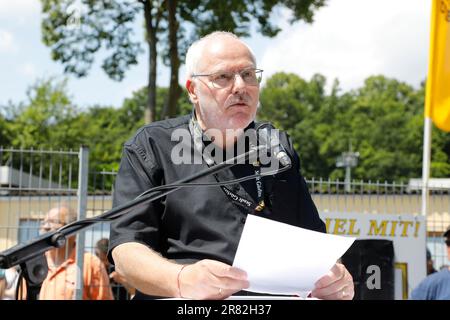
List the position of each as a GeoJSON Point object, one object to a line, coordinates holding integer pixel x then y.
{"type": "Point", "coordinates": [437, 101]}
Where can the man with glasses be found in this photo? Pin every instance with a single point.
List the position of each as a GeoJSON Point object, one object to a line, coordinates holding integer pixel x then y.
{"type": "Point", "coordinates": [184, 245]}
{"type": "Point", "coordinates": [437, 285]}
{"type": "Point", "coordinates": [60, 282]}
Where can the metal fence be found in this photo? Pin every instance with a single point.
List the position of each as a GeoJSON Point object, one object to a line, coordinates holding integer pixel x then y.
{"type": "Point", "coordinates": [30, 182]}
{"type": "Point", "coordinates": [33, 181]}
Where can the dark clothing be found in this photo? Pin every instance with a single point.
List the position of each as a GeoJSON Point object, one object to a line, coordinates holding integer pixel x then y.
{"type": "Point", "coordinates": [434, 287]}
{"type": "Point", "coordinates": [198, 223]}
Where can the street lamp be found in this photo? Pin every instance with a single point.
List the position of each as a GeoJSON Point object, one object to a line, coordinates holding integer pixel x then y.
{"type": "Point", "coordinates": [347, 160]}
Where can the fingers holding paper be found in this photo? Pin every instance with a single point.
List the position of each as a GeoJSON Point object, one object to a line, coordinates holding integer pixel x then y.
{"type": "Point", "coordinates": [336, 285]}
{"type": "Point", "coordinates": [209, 279]}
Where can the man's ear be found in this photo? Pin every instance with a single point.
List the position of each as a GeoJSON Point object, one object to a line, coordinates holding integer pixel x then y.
{"type": "Point", "coordinates": [190, 89]}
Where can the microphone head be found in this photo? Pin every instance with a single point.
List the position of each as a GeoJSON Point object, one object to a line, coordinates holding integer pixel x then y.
{"type": "Point", "coordinates": [269, 137]}
{"type": "Point", "coordinates": [264, 135]}
{"type": "Point", "coordinates": [284, 159]}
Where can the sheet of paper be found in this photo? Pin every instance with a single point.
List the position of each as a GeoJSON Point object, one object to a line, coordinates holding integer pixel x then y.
{"type": "Point", "coordinates": [283, 259]}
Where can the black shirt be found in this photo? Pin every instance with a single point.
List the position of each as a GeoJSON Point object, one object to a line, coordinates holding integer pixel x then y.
{"type": "Point", "coordinates": [198, 223]}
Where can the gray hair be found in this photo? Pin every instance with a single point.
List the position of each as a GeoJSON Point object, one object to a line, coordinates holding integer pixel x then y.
{"type": "Point", "coordinates": [194, 52]}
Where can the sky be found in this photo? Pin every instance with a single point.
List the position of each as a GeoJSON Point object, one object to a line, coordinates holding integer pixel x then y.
{"type": "Point", "coordinates": [349, 40]}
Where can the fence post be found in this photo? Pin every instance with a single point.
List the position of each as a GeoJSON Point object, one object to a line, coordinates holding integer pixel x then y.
{"type": "Point", "coordinates": [82, 205]}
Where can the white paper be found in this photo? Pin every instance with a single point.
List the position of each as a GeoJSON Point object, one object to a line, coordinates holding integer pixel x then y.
{"type": "Point", "coordinates": [283, 259]}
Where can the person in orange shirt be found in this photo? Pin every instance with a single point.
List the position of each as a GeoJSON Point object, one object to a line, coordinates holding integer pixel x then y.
{"type": "Point", "coordinates": [60, 283]}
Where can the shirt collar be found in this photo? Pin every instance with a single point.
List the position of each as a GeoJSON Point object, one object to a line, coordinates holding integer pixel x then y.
{"type": "Point", "coordinates": [53, 270]}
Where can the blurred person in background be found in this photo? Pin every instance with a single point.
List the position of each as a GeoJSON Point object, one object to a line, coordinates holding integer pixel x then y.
{"type": "Point", "coordinates": [60, 283]}
{"type": "Point", "coordinates": [430, 263]}
{"type": "Point", "coordinates": [437, 285]}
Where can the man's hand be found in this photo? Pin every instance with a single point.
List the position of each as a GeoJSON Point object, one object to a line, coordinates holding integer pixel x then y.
{"type": "Point", "coordinates": [336, 285]}
{"type": "Point", "coordinates": [209, 279]}
{"type": "Point", "coordinates": [120, 279]}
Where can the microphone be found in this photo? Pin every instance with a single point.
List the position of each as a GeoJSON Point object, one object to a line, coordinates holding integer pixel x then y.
{"type": "Point", "coordinates": [269, 136]}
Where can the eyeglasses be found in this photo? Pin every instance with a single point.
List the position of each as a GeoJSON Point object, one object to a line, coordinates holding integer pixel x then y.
{"type": "Point", "coordinates": [224, 79]}
{"type": "Point", "coordinates": [50, 225]}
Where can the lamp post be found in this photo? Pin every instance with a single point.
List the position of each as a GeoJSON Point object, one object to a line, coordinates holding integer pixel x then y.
{"type": "Point", "coordinates": [348, 160]}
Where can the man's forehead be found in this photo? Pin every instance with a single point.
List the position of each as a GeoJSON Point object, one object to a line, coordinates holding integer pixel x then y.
{"type": "Point", "coordinates": [226, 66]}
{"type": "Point", "coordinates": [225, 54]}
{"type": "Point", "coordinates": [56, 214]}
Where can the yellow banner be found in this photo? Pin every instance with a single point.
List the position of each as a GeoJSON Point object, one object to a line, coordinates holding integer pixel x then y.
{"type": "Point", "coordinates": [437, 101]}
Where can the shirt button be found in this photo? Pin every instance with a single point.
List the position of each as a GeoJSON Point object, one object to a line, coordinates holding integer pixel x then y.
{"type": "Point", "coordinates": [243, 220]}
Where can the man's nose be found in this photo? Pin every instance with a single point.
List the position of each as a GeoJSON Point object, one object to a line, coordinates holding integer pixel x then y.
{"type": "Point", "coordinates": [238, 84]}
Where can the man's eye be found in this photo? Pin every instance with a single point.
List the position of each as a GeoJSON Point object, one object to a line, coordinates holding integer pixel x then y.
{"type": "Point", "coordinates": [222, 76]}
{"type": "Point", "coordinates": [248, 74]}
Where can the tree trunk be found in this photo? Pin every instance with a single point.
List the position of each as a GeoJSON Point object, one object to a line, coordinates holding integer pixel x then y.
{"type": "Point", "coordinates": [170, 107]}
{"type": "Point", "coordinates": [152, 59]}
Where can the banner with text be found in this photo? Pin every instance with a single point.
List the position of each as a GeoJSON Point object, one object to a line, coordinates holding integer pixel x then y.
{"type": "Point", "coordinates": [408, 233]}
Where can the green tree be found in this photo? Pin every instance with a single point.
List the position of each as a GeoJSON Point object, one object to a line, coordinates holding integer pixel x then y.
{"type": "Point", "coordinates": [48, 120]}
{"type": "Point", "coordinates": [107, 128]}
{"type": "Point", "coordinates": [43, 121]}
{"type": "Point", "coordinates": [5, 134]}
{"type": "Point", "coordinates": [384, 127]}
{"type": "Point", "coordinates": [293, 104]}
{"type": "Point", "coordinates": [135, 105]}
{"type": "Point", "coordinates": [77, 30]}
{"type": "Point", "coordinates": [205, 16]}
{"type": "Point", "coordinates": [35, 121]}
{"type": "Point", "coordinates": [382, 120]}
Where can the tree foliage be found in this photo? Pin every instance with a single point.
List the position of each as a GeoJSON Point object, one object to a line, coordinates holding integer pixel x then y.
{"type": "Point", "coordinates": [382, 120]}
{"type": "Point", "coordinates": [76, 31]}
{"type": "Point", "coordinates": [49, 120]}
{"type": "Point", "coordinates": [45, 119]}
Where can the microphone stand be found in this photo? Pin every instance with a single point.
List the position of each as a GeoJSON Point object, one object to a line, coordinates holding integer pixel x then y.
{"type": "Point", "coordinates": [30, 256]}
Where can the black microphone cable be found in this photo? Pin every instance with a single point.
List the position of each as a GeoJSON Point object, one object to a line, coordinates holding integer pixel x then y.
{"type": "Point", "coordinates": [206, 184]}
{"type": "Point", "coordinates": [172, 186]}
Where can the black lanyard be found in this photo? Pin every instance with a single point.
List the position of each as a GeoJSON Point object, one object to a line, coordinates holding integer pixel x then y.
{"type": "Point", "coordinates": [247, 204]}
{"type": "Point", "coordinates": [243, 202]}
